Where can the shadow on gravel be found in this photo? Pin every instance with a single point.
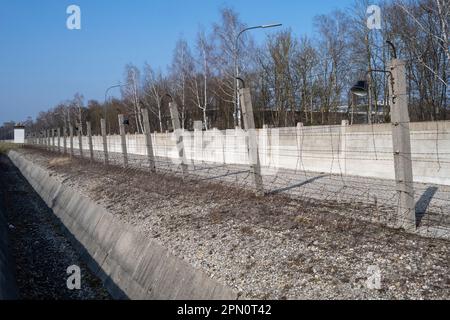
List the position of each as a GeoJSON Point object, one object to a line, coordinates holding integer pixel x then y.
{"type": "Point", "coordinates": [423, 203]}
{"type": "Point", "coordinates": [298, 185]}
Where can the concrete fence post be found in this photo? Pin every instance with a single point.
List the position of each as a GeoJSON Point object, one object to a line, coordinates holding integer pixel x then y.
{"type": "Point", "coordinates": [58, 136]}
{"type": "Point", "coordinates": [252, 144]}
{"type": "Point", "coordinates": [178, 136]}
{"type": "Point", "coordinates": [89, 135]}
{"type": "Point", "coordinates": [343, 145]}
{"type": "Point", "coordinates": [105, 140]}
{"type": "Point", "coordinates": [265, 143]}
{"type": "Point", "coordinates": [148, 140]}
{"type": "Point", "coordinates": [198, 140]}
{"type": "Point", "coordinates": [71, 140]}
{"type": "Point", "coordinates": [354, 108]}
{"type": "Point", "coordinates": [52, 134]}
{"type": "Point", "coordinates": [48, 141]}
{"type": "Point", "coordinates": [64, 140]}
{"type": "Point", "coordinates": [300, 132]}
{"type": "Point", "coordinates": [80, 138]}
{"type": "Point", "coordinates": [123, 139]}
{"type": "Point", "coordinates": [406, 214]}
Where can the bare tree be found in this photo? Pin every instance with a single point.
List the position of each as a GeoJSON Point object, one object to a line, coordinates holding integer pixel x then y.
{"type": "Point", "coordinates": [153, 92]}
{"type": "Point", "coordinates": [199, 82]}
{"type": "Point", "coordinates": [131, 93]}
{"type": "Point", "coordinates": [182, 70]}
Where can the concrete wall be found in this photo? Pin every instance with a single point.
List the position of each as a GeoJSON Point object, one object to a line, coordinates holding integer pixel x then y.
{"type": "Point", "coordinates": [360, 150]}
{"type": "Point", "coordinates": [130, 264]}
{"type": "Point", "coordinates": [8, 288]}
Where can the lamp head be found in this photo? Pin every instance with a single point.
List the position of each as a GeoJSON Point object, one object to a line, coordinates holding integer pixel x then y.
{"type": "Point", "coordinates": [360, 88]}
{"type": "Point", "coordinates": [271, 25]}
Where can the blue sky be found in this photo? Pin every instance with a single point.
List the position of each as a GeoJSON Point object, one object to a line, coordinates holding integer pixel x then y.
{"type": "Point", "coordinates": [43, 63]}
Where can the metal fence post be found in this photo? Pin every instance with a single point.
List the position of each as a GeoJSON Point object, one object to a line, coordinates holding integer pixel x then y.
{"type": "Point", "coordinates": [123, 139]}
{"type": "Point", "coordinates": [406, 214]}
{"type": "Point", "coordinates": [148, 140]}
{"type": "Point", "coordinates": [178, 136]}
{"type": "Point", "coordinates": [252, 143]}
{"type": "Point", "coordinates": [105, 140]}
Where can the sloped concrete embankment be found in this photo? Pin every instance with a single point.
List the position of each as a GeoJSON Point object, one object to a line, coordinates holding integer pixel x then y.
{"type": "Point", "coordinates": [8, 288]}
{"type": "Point", "coordinates": [130, 264]}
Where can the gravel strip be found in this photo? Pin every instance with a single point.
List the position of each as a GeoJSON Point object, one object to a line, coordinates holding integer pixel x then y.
{"type": "Point", "coordinates": [276, 247]}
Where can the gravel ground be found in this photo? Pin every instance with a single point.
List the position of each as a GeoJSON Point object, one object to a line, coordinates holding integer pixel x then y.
{"type": "Point", "coordinates": [379, 196]}
{"type": "Point", "coordinates": [276, 247]}
{"type": "Point", "coordinates": [40, 249]}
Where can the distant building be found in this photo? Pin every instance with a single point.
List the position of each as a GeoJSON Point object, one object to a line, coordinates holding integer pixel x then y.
{"type": "Point", "coordinates": [19, 134]}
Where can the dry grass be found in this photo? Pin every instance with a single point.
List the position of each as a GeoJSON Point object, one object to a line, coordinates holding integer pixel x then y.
{"type": "Point", "coordinates": [5, 147]}
{"type": "Point", "coordinates": [60, 161]}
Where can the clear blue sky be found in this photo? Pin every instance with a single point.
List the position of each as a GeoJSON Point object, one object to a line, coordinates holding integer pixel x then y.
{"type": "Point", "coordinates": [43, 63]}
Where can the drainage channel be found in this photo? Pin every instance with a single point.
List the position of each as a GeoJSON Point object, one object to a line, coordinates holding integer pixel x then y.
{"type": "Point", "coordinates": [39, 248]}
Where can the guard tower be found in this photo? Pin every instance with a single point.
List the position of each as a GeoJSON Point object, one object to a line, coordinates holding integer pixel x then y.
{"type": "Point", "coordinates": [19, 134]}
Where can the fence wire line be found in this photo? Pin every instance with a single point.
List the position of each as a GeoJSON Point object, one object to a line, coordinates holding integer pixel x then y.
{"type": "Point", "coordinates": [337, 184]}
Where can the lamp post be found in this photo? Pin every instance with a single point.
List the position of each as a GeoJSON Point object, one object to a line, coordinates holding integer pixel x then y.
{"type": "Point", "coordinates": [106, 98]}
{"type": "Point", "coordinates": [106, 95]}
{"type": "Point", "coordinates": [405, 215]}
{"type": "Point", "coordinates": [237, 108]}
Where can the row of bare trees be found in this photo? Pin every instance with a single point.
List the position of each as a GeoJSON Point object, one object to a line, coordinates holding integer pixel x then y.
{"type": "Point", "coordinates": [292, 78]}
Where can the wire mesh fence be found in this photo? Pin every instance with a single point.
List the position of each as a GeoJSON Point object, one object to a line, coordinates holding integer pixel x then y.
{"type": "Point", "coordinates": [348, 170]}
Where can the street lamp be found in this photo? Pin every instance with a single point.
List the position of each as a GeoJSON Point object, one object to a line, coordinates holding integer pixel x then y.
{"type": "Point", "coordinates": [361, 87]}
{"type": "Point", "coordinates": [106, 95]}
{"type": "Point", "coordinates": [237, 111]}
{"type": "Point", "coordinates": [106, 98]}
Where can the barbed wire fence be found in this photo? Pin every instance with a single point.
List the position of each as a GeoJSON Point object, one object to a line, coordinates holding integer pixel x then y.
{"type": "Point", "coordinates": [351, 172]}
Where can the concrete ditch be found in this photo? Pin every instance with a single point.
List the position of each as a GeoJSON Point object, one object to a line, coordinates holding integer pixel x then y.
{"type": "Point", "coordinates": [8, 287]}
{"type": "Point", "coordinates": [130, 264]}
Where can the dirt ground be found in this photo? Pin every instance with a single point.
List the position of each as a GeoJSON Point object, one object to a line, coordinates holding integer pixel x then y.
{"type": "Point", "coordinates": [276, 247]}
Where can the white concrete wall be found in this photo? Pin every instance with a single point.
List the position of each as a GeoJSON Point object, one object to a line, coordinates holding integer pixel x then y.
{"type": "Point", "coordinates": [360, 150]}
